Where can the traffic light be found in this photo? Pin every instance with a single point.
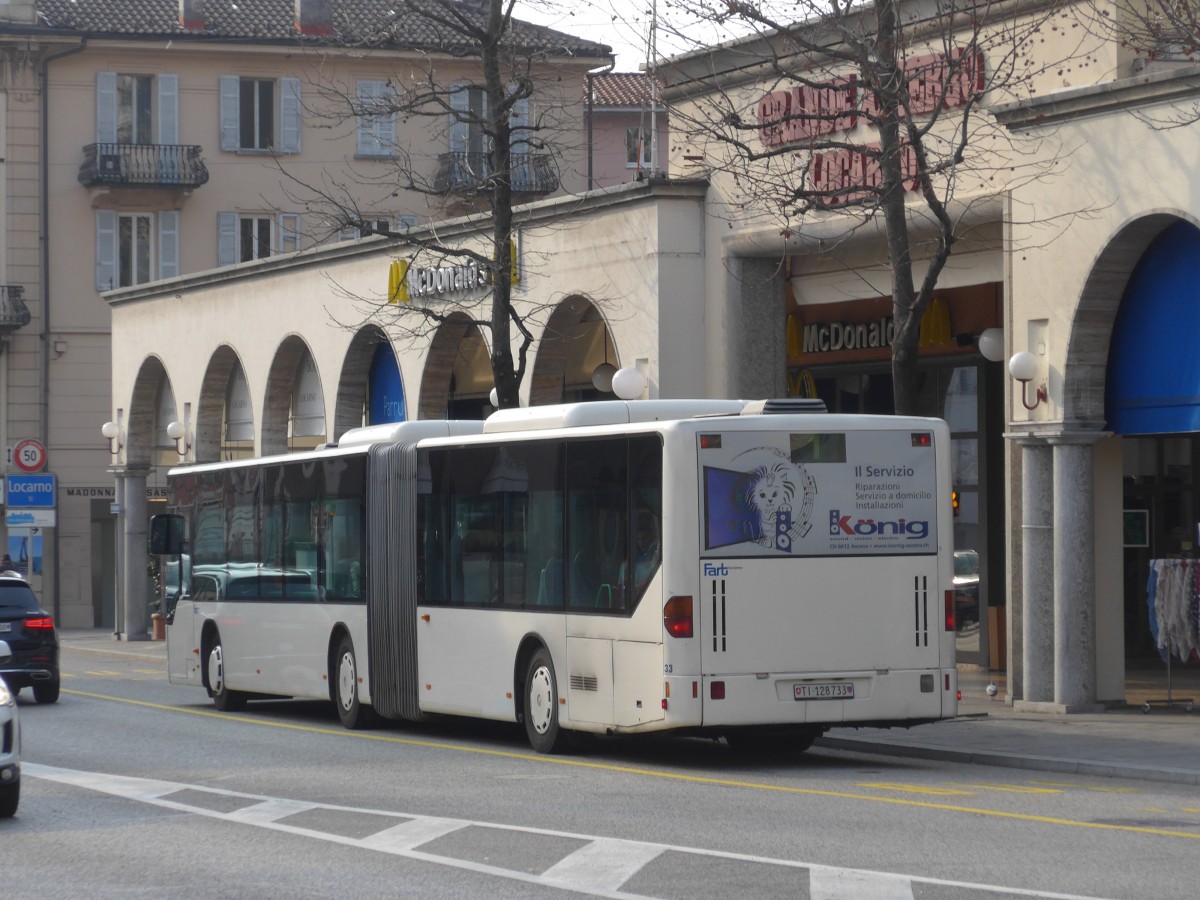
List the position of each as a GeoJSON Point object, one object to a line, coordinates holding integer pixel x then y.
{"type": "Point", "coordinates": [954, 501]}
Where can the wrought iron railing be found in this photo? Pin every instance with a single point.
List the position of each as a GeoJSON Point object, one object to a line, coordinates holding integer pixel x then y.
{"type": "Point", "coordinates": [471, 173]}
{"type": "Point", "coordinates": [14, 313]}
{"type": "Point", "coordinates": [142, 165]}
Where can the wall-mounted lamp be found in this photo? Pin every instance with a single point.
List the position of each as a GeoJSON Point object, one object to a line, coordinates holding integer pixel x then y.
{"type": "Point", "coordinates": [112, 432]}
{"type": "Point", "coordinates": [1023, 366]}
{"type": "Point", "coordinates": [991, 344]}
{"type": "Point", "coordinates": [177, 433]}
{"type": "Point", "coordinates": [629, 383]}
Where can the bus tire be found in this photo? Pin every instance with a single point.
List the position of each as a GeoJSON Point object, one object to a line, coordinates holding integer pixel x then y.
{"type": "Point", "coordinates": [540, 705]}
{"type": "Point", "coordinates": [345, 686]}
{"type": "Point", "coordinates": [223, 699]}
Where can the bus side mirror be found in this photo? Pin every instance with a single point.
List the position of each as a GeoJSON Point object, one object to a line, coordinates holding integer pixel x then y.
{"type": "Point", "coordinates": [166, 535]}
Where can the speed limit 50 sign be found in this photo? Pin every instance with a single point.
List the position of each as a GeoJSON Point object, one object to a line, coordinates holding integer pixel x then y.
{"type": "Point", "coordinates": [29, 455]}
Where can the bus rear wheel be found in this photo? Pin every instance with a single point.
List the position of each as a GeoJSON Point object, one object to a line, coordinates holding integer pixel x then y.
{"type": "Point", "coordinates": [345, 685]}
{"type": "Point", "coordinates": [223, 698]}
{"type": "Point", "coordinates": [541, 705]}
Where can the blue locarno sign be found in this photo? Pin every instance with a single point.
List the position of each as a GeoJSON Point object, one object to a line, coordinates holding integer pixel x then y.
{"type": "Point", "coordinates": [30, 492]}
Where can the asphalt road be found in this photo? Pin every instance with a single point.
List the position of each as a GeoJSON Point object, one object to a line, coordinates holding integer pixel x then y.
{"type": "Point", "coordinates": [134, 787]}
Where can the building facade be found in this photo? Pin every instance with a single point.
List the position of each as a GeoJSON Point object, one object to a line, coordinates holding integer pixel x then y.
{"type": "Point", "coordinates": [628, 128]}
{"type": "Point", "coordinates": [147, 141]}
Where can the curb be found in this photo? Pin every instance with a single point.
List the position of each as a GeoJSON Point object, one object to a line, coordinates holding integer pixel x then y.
{"type": "Point", "coordinates": [1056, 764]}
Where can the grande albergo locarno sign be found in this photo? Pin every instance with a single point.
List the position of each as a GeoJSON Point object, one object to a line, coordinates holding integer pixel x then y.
{"type": "Point", "coordinates": [804, 113]}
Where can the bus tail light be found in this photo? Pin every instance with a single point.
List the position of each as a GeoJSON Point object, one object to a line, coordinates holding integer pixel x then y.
{"type": "Point", "coordinates": [716, 690]}
{"type": "Point", "coordinates": [949, 610]}
{"type": "Point", "coordinates": [677, 617]}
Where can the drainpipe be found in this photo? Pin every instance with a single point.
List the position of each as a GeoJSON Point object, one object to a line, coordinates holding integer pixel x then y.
{"type": "Point", "coordinates": [45, 239]}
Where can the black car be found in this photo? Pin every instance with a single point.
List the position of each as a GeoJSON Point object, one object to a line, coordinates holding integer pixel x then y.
{"type": "Point", "coordinates": [29, 631]}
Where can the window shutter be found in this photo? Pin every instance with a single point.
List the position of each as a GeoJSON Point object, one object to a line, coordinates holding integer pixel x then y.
{"type": "Point", "coordinates": [227, 238]}
{"type": "Point", "coordinates": [168, 108]}
{"type": "Point", "coordinates": [230, 88]}
{"type": "Point", "coordinates": [106, 107]}
{"type": "Point", "coordinates": [289, 115]}
{"type": "Point", "coordinates": [367, 138]}
{"type": "Point", "coordinates": [168, 243]}
{"type": "Point", "coordinates": [106, 249]}
{"type": "Point", "coordinates": [519, 123]}
{"type": "Point", "coordinates": [376, 133]}
{"type": "Point", "coordinates": [289, 232]}
{"type": "Point", "coordinates": [460, 127]}
{"type": "Point", "coordinates": [518, 146]}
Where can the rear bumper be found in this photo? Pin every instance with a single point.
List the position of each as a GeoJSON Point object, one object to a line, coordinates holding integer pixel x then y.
{"type": "Point", "coordinates": [894, 697]}
{"type": "Point", "coordinates": [23, 676]}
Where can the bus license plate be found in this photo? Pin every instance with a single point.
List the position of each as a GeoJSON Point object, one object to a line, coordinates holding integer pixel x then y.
{"type": "Point", "coordinates": [837, 690]}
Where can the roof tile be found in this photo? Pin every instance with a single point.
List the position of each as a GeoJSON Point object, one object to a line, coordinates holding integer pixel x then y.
{"type": "Point", "coordinates": [394, 24]}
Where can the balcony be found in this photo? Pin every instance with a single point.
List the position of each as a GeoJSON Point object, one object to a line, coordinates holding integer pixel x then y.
{"type": "Point", "coordinates": [14, 313]}
{"type": "Point", "coordinates": [471, 173]}
{"type": "Point", "coordinates": [142, 165]}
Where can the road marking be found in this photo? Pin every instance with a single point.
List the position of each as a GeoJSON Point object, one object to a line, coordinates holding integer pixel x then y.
{"type": "Point", "coordinates": [915, 789]}
{"type": "Point", "coordinates": [579, 871]}
{"type": "Point", "coordinates": [541, 759]}
{"type": "Point", "coordinates": [103, 674]}
{"type": "Point", "coordinates": [603, 865]}
{"type": "Point", "coordinates": [828, 883]}
{"type": "Point", "coordinates": [1007, 788]}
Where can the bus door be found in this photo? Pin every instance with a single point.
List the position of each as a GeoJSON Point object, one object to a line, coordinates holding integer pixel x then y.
{"type": "Point", "coordinates": [184, 618]}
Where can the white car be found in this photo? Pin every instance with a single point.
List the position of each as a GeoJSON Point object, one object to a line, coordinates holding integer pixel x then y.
{"type": "Point", "coordinates": [10, 745]}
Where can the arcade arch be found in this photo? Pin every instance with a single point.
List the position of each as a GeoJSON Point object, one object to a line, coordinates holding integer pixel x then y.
{"type": "Point", "coordinates": [457, 377]}
{"type": "Point", "coordinates": [576, 340]}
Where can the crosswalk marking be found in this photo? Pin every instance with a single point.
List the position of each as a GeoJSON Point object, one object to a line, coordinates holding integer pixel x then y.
{"type": "Point", "coordinates": [412, 834]}
{"type": "Point", "coordinates": [828, 883]}
{"type": "Point", "coordinates": [602, 865]}
{"type": "Point", "coordinates": [599, 868]}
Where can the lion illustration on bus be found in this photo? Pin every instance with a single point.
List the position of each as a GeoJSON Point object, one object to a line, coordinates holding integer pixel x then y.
{"type": "Point", "coordinates": [769, 503]}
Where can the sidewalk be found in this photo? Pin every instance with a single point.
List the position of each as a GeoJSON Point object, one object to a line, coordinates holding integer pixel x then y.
{"type": "Point", "coordinates": [1162, 745]}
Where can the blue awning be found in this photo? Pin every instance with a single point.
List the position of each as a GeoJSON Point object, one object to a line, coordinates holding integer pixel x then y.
{"type": "Point", "coordinates": [1153, 378]}
{"type": "Point", "coordinates": [385, 388]}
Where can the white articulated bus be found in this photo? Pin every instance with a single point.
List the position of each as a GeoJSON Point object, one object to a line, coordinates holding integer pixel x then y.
{"type": "Point", "coordinates": [760, 571]}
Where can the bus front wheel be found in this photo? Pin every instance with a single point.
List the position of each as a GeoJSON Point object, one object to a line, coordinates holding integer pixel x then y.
{"type": "Point", "coordinates": [352, 713]}
{"type": "Point", "coordinates": [223, 698]}
{"type": "Point", "coordinates": [541, 705]}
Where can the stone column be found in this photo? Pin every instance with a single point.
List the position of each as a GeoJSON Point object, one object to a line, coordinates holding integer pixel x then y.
{"type": "Point", "coordinates": [133, 525]}
{"type": "Point", "coordinates": [1037, 571]}
{"type": "Point", "coordinates": [1074, 573]}
{"type": "Point", "coordinates": [119, 552]}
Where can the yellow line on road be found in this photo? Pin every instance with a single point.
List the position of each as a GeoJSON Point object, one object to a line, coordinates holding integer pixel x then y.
{"type": "Point", "coordinates": [103, 674]}
{"type": "Point", "coordinates": [1008, 788]}
{"type": "Point", "coordinates": [646, 773]}
{"type": "Point", "coordinates": [914, 789]}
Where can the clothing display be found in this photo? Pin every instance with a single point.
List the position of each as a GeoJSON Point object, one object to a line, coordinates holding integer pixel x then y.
{"type": "Point", "coordinates": [1173, 603]}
